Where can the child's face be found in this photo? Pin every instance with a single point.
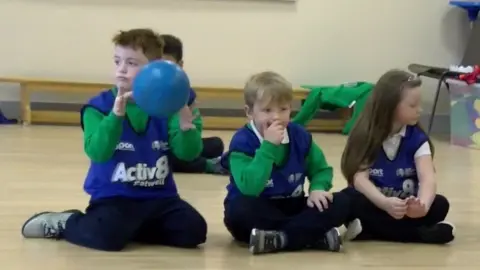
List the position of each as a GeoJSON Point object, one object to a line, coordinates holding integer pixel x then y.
{"type": "Point", "coordinates": [409, 108]}
{"type": "Point", "coordinates": [127, 63]}
{"type": "Point", "coordinates": [264, 114]}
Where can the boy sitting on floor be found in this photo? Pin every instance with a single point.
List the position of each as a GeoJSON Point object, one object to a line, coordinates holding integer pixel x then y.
{"type": "Point", "coordinates": [269, 160]}
{"type": "Point", "coordinates": [133, 195]}
{"type": "Point", "coordinates": [209, 159]}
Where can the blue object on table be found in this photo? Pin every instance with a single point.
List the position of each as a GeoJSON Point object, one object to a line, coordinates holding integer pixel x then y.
{"type": "Point", "coordinates": [472, 8]}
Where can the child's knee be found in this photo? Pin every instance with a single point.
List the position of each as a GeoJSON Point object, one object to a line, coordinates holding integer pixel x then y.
{"type": "Point", "coordinates": [199, 229]}
{"type": "Point", "coordinates": [194, 231]}
{"type": "Point", "coordinates": [217, 145]}
{"type": "Point", "coordinates": [442, 202]}
{"type": "Point", "coordinates": [440, 207]}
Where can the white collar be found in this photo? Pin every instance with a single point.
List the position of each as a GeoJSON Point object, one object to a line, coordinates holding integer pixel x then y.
{"type": "Point", "coordinates": [402, 132]}
{"type": "Point", "coordinates": [285, 140]}
{"type": "Point", "coordinates": [399, 134]}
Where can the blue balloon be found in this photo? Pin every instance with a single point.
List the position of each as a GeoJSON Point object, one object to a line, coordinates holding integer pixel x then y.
{"type": "Point", "coordinates": [161, 88]}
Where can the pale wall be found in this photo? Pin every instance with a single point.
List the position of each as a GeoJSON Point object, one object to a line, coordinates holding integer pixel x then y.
{"type": "Point", "coordinates": [313, 41]}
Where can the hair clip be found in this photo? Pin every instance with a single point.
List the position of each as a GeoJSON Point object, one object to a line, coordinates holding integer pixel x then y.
{"type": "Point", "coordinates": [412, 78]}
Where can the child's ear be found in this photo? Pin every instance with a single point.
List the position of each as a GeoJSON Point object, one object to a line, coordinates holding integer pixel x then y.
{"type": "Point", "coordinates": [248, 112]}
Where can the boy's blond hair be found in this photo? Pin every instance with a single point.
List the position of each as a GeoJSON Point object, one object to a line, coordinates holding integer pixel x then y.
{"type": "Point", "coordinates": [144, 39]}
{"type": "Point", "coordinates": [268, 87]}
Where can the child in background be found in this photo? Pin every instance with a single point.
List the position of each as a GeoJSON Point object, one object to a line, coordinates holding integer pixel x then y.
{"type": "Point", "coordinates": [388, 165]}
{"type": "Point", "coordinates": [133, 193]}
{"type": "Point", "coordinates": [269, 159]}
{"type": "Point", "coordinates": [209, 159]}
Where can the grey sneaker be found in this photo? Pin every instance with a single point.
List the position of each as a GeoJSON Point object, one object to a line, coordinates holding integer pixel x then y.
{"type": "Point", "coordinates": [354, 228]}
{"type": "Point", "coordinates": [262, 241]}
{"type": "Point", "coordinates": [46, 224]}
{"type": "Point", "coordinates": [216, 166]}
{"type": "Point", "coordinates": [331, 241]}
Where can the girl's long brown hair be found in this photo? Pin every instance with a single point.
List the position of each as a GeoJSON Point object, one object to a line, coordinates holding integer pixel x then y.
{"type": "Point", "coordinates": [375, 123]}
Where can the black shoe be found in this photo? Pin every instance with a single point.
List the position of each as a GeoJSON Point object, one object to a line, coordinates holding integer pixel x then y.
{"type": "Point", "coordinates": [440, 233]}
{"type": "Point", "coordinates": [266, 241]}
{"type": "Point", "coordinates": [332, 241]}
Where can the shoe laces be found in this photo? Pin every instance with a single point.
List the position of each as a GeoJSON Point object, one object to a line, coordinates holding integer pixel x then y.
{"type": "Point", "coordinates": [271, 242]}
{"type": "Point", "coordinates": [53, 231]}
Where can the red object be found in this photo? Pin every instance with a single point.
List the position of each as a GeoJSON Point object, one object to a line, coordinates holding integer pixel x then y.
{"type": "Point", "coordinates": [470, 78]}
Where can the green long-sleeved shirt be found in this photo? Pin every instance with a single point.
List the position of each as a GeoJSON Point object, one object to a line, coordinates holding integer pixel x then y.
{"type": "Point", "coordinates": [334, 97]}
{"type": "Point", "coordinates": [251, 174]}
{"type": "Point", "coordinates": [102, 133]}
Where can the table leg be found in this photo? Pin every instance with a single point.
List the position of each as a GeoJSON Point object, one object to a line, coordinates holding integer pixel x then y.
{"type": "Point", "coordinates": [26, 113]}
{"type": "Point", "coordinates": [435, 102]}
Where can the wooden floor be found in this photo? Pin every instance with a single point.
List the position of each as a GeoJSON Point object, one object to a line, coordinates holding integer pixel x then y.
{"type": "Point", "coordinates": [42, 168]}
